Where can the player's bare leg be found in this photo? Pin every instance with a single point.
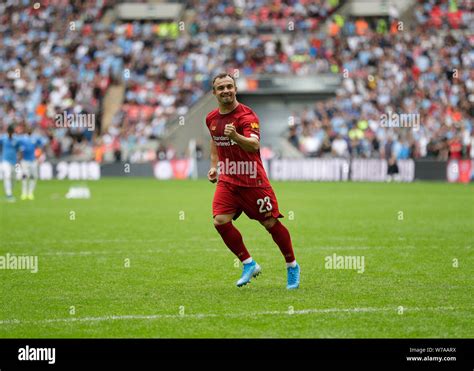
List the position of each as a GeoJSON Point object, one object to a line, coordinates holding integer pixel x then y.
{"type": "Point", "coordinates": [7, 181]}
{"type": "Point", "coordinates": [233, 239]}
{"type": "Point", "coordinates": [282, 238]}
{"type": "Point", "coordinates": [32, 183]}
{"type": "Point", "coordinates": [24, 187]}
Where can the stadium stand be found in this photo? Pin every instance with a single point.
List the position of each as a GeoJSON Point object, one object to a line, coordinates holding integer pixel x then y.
{"type": "Point", "coordinates": [139, 77]}
{"type": "Point", "coordinates": [424, 69]}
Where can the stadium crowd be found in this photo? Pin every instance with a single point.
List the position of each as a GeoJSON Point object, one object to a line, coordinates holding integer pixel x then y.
{"type": "Point", "coordinates": [57, 56]}
{"type": "Point", "coordinates": [52, 61]}
{"type": "Point", "coordinates": [424, 72]}
{"type": "Point", "coordinates": [260, 16]}
{"type": "Point", "coordinates": [61, 57]}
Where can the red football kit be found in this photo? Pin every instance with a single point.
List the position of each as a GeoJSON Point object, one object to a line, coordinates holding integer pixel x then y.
{"type": "Point", "coordinates": [243, 184]}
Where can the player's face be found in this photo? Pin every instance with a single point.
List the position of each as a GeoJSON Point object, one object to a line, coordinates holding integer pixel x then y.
{"type": "Point", "coordinates": [224, 90]}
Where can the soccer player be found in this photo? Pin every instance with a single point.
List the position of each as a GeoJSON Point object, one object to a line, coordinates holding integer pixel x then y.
{"type": "Point", "coordinates": [10, 145]}
{"type": "Point", "coordinates": [29, 165]}
{"type": "Point", "coordinates": [242, 184]}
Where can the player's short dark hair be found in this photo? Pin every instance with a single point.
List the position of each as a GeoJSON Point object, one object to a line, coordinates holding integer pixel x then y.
{"type": "Point", "coordinates": [221, 76]}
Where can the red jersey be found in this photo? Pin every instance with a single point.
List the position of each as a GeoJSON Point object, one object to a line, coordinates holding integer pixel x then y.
{"type": "Point", "coordinates": [235, 165]}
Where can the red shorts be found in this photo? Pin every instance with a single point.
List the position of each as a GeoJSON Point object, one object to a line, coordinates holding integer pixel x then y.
{"type": "Point", "coordinates": [256, 202]}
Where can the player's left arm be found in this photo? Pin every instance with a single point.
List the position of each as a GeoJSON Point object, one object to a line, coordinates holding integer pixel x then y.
{"type": "Point", "coordinates": [250, 140]}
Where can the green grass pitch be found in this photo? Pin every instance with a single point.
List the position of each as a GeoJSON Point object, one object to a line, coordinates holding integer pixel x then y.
{"type": "Point", "coordinates": [141, 258]}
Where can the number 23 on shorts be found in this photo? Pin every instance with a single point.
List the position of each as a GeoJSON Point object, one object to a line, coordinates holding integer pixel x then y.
{"type": "Point", "coordinates": [265, 205]}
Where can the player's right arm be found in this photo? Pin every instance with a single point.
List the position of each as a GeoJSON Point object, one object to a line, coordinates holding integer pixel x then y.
{"type": "Point", "coordinates": [212, 174]}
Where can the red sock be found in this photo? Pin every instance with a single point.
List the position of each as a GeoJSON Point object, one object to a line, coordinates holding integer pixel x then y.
{"type": "Point", "coordinates": [233, 240]}
{"type": "Point", "coordinates": [282, 238]}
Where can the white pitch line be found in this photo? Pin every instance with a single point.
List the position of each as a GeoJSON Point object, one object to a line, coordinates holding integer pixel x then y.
{"type": "Point", "coordinates": [113, 240]}
{"type": "Point", "coordinates": [180, 249]}
{"type": "Point", "coordinates": [223, 315]}
{"type": "Point", "coordinates": [115, 252]}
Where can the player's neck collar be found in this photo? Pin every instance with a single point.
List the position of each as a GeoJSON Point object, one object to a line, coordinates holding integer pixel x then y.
{"type": "Point", "coordinates": [219, 110]}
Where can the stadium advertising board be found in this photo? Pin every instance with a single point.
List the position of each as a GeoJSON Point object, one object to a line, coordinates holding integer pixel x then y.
{"type": "Point", "coordinates": [460, 171]}
{"type": "Point", "coordinates": [64, 170]}
{"type": "Point", "coordinates": [372, 170]}
{"type": "Point", "coordinates": [314, 169]}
